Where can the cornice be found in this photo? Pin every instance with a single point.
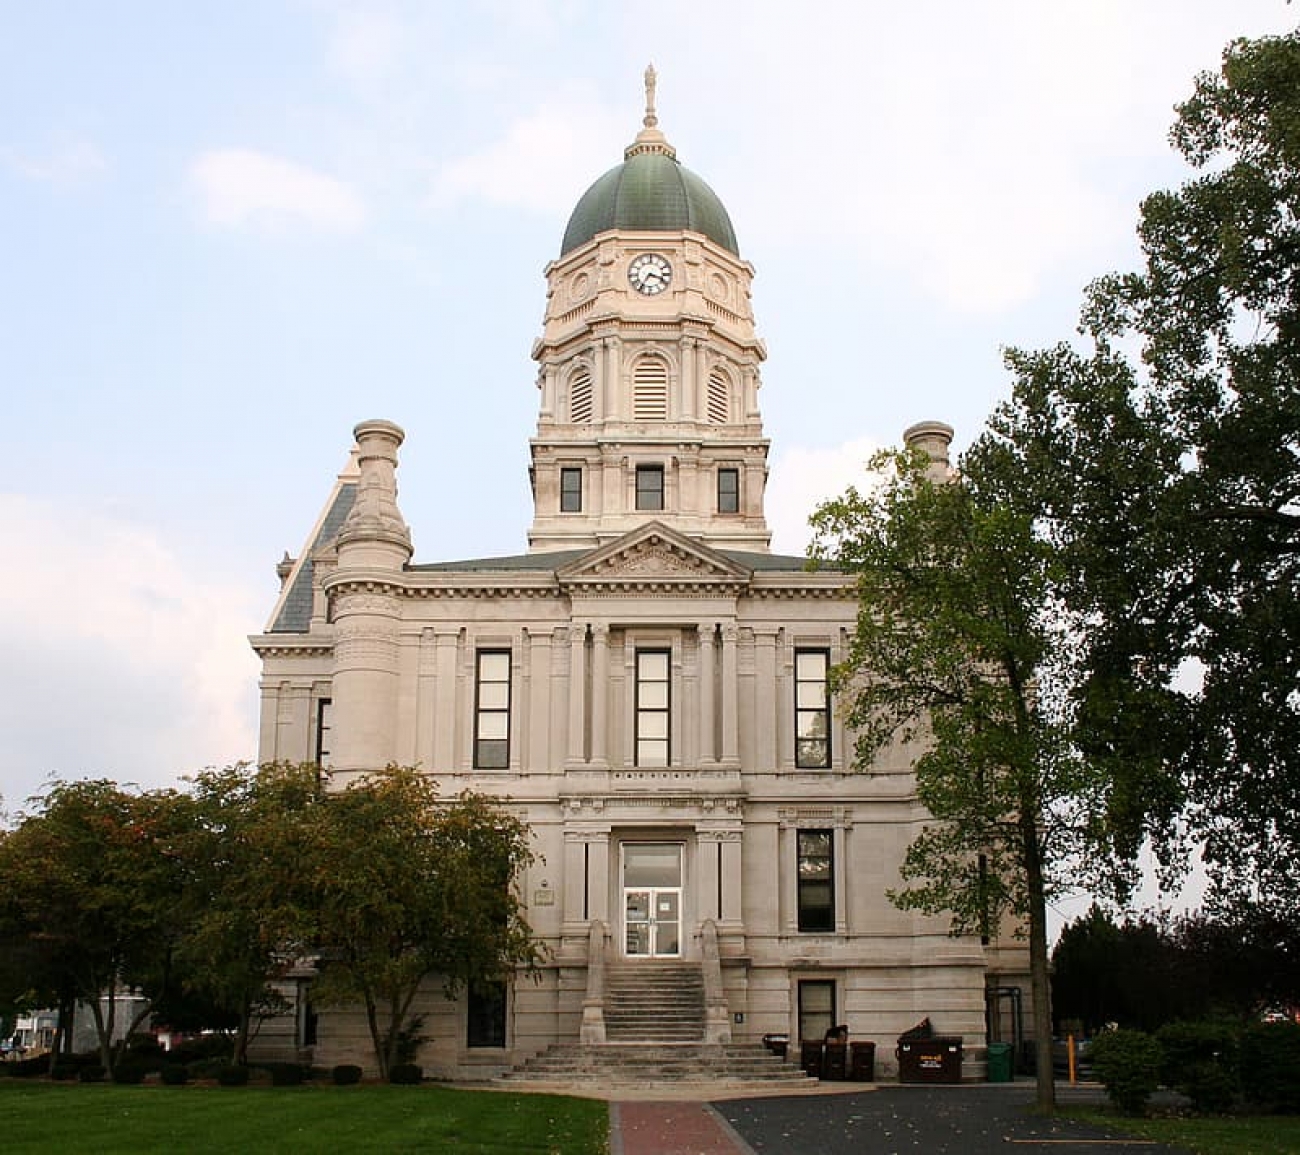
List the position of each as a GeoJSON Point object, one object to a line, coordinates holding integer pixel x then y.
{"type": "Point", "coordinates": [291, 645]}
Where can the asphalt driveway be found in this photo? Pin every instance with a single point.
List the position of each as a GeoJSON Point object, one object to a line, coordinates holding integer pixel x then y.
{"type": "Point", "coordinates": [960, 1120]}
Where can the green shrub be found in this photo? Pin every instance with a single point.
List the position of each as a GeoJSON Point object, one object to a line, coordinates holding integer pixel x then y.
{"type": "Point", "coordinates": [406, 1074]}
{"type": "Point", "coordinates": [345, 1074]}
{"type": "Point", "coordinates": [130, 1071]}
{"type": "Point", "coordinates": [206, 1047]}
{"type": "Point", "coordinates": [231, 1075]}
{"type": "Point", "coordinates": [1270, 1066]}
{"type": "Point", "coordinates": [285, 1074]}
{"type": "Point", "coordinates": [1200, 1060]}
{"type": "Point", "coordinates": [174, 1074]}
{"type": "Point", "coordinates": [27, 1068]}
{"type": "Point", "coordinates": [1128, 1065]}
{"type": "Point", "coordinates": [206, 1068]}
{"type": "Point", "coordinates": [91, 1073]}
{"type": "Point", "coordinates": [64, 1070]}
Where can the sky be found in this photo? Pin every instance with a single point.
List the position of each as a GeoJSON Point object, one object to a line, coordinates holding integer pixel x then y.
{"type": "Point", "coordinates": [229, 231]}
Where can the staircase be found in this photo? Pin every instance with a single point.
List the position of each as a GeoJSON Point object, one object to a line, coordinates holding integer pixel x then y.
{"type": "Point", "coordinates": [654, 1031]}
{"type": "Point", "coordinates": [658, 1002]}
{"type": "Point", "coordinates": [640, 1064]}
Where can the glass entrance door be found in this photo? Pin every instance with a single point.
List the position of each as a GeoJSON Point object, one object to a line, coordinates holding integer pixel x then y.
{"type": "Point", "coordinates": [652, 899]}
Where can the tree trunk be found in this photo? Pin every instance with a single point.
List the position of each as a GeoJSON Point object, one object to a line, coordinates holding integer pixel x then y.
{"type": "Point", "coordinates": [1041, 992]}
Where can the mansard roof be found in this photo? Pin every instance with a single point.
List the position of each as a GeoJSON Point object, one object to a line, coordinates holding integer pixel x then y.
{"type": "Point", "coordinates": [292, 614]}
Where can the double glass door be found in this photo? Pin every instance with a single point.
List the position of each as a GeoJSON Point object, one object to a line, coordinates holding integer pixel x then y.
{"type": "Point", "coordinates": [652, 899]}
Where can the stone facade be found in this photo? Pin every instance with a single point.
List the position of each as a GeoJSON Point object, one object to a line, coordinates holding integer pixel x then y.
{"type": "Point", "coordinates": [645, 686]}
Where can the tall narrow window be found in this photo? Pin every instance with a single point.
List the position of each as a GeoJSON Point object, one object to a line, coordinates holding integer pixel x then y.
{"type": "Point", "coordinates": [728, 490]}
{"type": "Point", "coordinates": [492, 710]}
{"type": "Point", "coordinates": [486, 1021]}
{"type": "Point", "coordinates": [816, 880]}
{"type": "Point", "coordinates": [570, 489]}
{"type": "Point", "coordinates": [650, 390]}
{"type": "Point", "coordinates": [580, 396]}
{"type": "Point", "coordinates": [812, 709]}
{"type": "Point", "coordinates": [719, 408]}
{"type": "Point", "coordinates": [652, 707]}
{"type": "Point", "coordinates": [816, 1008]}
{"type": "Point", "coordinates": [324, 726]}
{"type": "Point", "coordinates": [649, 487]}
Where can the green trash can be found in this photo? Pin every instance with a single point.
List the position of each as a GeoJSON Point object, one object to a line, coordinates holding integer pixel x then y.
{"type": "Point", "coordinates": [1000, 1062]}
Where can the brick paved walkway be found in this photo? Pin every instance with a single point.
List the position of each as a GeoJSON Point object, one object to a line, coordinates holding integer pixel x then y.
{"type": "Point", "coordinates": [671, 1129]}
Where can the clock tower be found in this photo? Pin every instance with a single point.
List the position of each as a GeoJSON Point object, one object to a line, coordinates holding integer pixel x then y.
{"type": "Point", "coordinates": [649, 365]}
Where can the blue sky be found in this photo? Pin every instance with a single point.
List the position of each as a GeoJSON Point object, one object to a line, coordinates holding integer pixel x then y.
{"type": "Point", "coordinates": [230, 231]}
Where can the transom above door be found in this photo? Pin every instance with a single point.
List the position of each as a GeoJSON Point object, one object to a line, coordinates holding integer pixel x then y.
{"type": "Point", "coordinates": [652, 899]}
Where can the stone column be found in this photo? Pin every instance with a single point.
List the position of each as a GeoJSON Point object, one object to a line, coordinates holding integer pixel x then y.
{"type": "Point", "coordinates": [708, 705]}
{"type": "Point", "coordinates": [733, 898]}
{"type": "Point", "coordinates": [373, 546]}
{"type": "Point", "coordinates": [708, 875]}
{"type": "Point", "coordinates": [577, 751]}
{"type": "Point", "coordinates": [730, 733]}
{"type": "Point", "coordinates": [600, 693]}
{"type": "Point", "coordinates": [765, 698]}
{"type": "Point", "coordinates": [690, 405]}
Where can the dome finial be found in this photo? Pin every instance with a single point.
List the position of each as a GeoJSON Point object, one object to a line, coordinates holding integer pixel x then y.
{"type": "Point", "coordinates": [650, 139]}
{"type": "Point", "coordinates": [651, 120]}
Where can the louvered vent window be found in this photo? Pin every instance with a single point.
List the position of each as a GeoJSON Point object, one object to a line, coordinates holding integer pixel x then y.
{"type": "Point", "coordinates": [580, 397]}
{"type": "Point", "coordinates": [650, 390]}
{"type": "Point", "coordinates": [719, 410]}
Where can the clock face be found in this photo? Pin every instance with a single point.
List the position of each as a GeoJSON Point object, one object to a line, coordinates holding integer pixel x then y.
{"type": "Point", "coordinates": [650, 273]}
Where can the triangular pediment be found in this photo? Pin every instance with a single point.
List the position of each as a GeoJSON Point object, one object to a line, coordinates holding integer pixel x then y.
{"type": "Point", "coordinates": [653, 554]}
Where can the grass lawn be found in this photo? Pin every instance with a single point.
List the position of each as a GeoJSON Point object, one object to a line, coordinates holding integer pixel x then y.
{"type": "Point", "coordinates": [105, 1118]}
{"type": "Point", "coordinates": [1212, 1135]}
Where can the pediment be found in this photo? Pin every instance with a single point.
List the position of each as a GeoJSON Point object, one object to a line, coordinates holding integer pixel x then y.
{"type": "Point", "coordinates": [653, 555]}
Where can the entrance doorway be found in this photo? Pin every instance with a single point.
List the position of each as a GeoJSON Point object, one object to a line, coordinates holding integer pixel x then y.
{"type": "Point", "coordinates": [652, 899]}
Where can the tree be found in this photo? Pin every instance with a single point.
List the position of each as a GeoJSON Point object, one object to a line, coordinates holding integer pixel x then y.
{"type": "Point", "coordinates": [406, 887]}
{"type": "Point", "coordinates": [90, 885]}
{"type": "Point", "coordinates": [250, 849]}
{"type": "Point", "coordinates": [1156, 969]}
{"type": "Point", "coordinates": [1172, 485]}
{"type": "Point", "coordinates": [955, 642]}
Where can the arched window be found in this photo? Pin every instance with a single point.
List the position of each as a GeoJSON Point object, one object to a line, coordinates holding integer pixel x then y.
{"type": "Point", "coordinates": [580, 396]}
{"type": "Point", "coordinates": [719, 408]}
{"type": "Point", "coordinates": [650, 390]}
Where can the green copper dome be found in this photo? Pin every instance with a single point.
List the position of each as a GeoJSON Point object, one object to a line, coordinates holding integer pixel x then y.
{"type": "Point", "coordinates": [651, 192]}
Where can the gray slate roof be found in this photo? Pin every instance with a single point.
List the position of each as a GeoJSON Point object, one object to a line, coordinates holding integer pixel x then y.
{"type": "Point", "coordinates": [295, 614]}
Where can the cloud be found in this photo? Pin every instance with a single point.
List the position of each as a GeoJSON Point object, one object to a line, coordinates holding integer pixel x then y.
{"type": "Point", "coordinates": [70, 163]}
{"type": "Point", "coordinates": [802, 478]}
{"type": "Point", "coordinates": [240, 188]}
{"type": "Point", "coordinates": [122, 660]}
{"type": "Point", "coordinates": [534, 163]}
{"type": "Point", "coordinates": [365, 46]}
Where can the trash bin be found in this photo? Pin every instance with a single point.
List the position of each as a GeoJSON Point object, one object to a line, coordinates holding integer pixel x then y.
{"type": "Point", "coordinates": [777, 1044]}
{"type": "Point", "coordinates": [835, 1061]}
{"type": "Point", "coordinates": [933, 1060]}
{"type": "Point", "coordinates": [810, 1057]}
{"type": "Point", "coordinates": [862, 1062]}
{"type": "Point", "coordinates": [1000, 1062]}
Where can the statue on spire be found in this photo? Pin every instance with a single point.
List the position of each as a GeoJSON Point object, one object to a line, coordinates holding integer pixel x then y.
{"type": "Point", "coordinates": [650, 76]}
{"type": "Point", "coordinates": [650, 139]}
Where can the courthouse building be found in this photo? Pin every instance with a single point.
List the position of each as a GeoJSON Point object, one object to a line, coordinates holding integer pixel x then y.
{"type": "Point", "coordinates": [645, 682]}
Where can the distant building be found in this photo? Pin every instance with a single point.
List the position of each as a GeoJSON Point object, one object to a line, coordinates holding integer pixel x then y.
{"type": "Point", "coordinates": [646, 683]}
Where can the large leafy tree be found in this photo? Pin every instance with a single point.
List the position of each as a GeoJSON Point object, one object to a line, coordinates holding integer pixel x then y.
{"type": "Point", "coordinates": [406, 888]}
{"type": "Point", "coordinates": [251, 847]}
{"type": "Point", "coordinates": [89, 888]}
{"type": "Point", "coordinates": [1151, 970]}
{"type": "Point", "coordinates": [1163, 458]}
{"type": "Point", "coordinates": [957, 636]}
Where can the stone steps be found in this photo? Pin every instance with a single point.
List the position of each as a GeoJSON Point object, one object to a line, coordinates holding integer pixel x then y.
{"type": "Point", "coordinates": [654, 1002]}
{"type": "Point", "coordinates": [617, 1064]}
